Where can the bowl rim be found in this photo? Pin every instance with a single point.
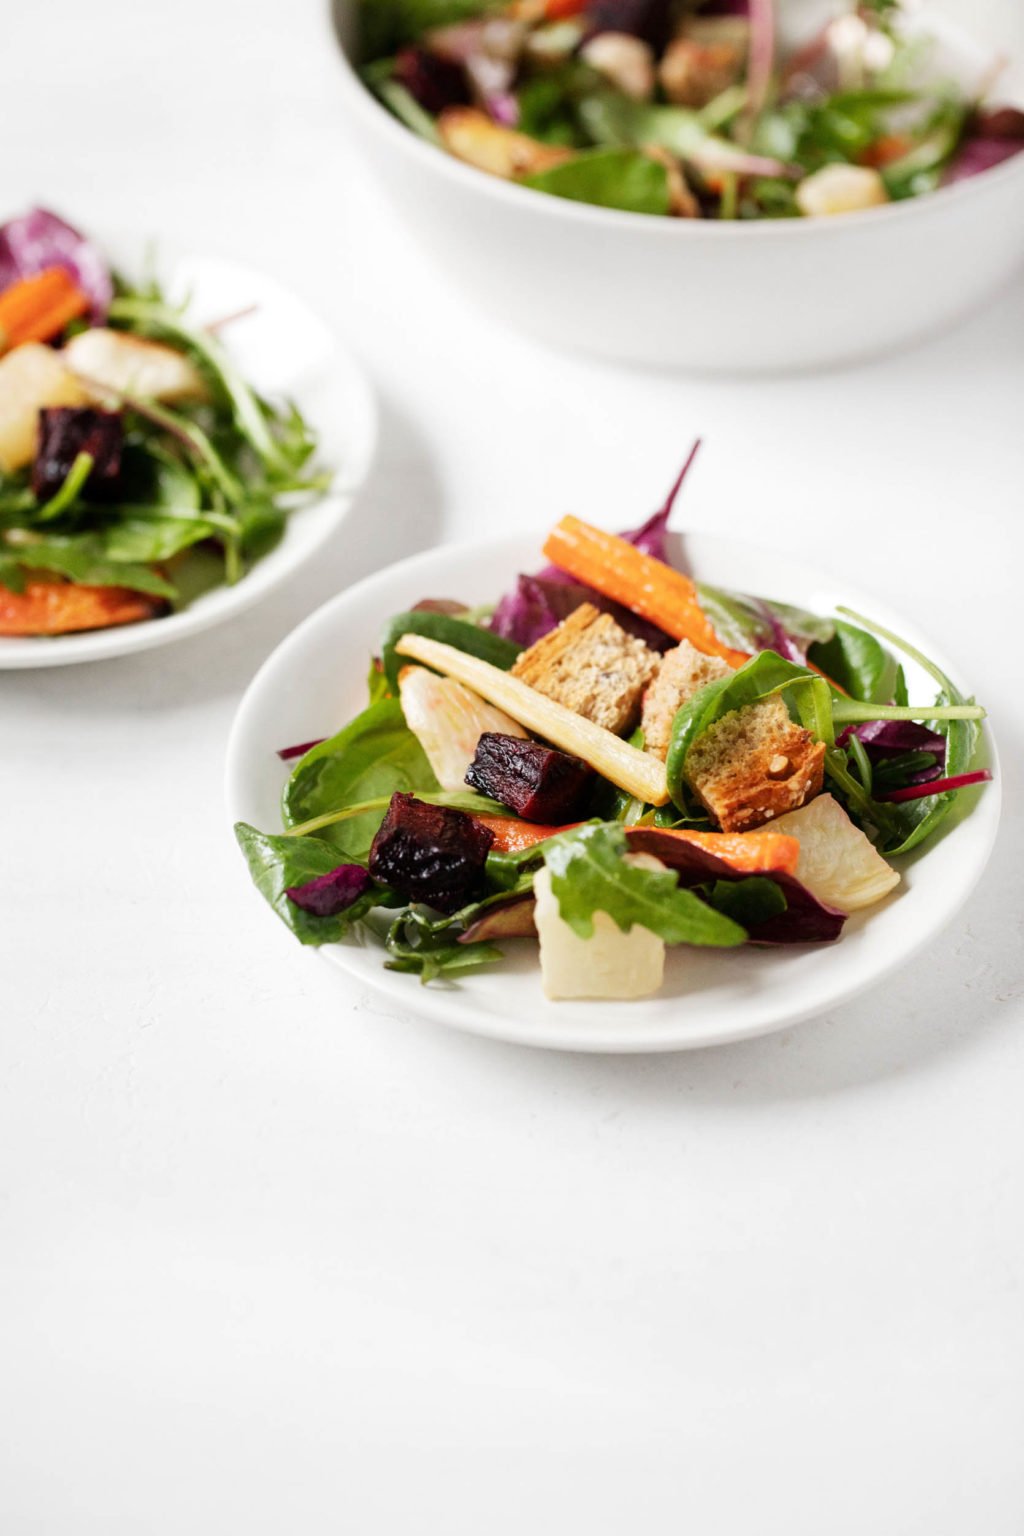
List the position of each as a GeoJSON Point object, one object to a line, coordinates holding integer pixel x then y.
{"type": "Point", "coordinates": [375, 114]}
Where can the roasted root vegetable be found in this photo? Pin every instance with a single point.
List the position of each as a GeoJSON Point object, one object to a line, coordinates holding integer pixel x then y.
{"type": "Point", "coordinates": [65, 432]}
{"type": "Point", "coordinates": [471, 136]}
{"type": "Point", "coordinates": [38, 308]}
{"type": "Point", "coordinates": [31, 378]}
{"type": "Point", "coordinates": [115, 362]}
{"type": "Point", "coordinates": [511, 835]}
{"type": "Point", "coordinates": [448, 720]}
{"type": "Point", "coordinates": [624, 766]}
{"type": "Point", "coordinates": [646, 586]}
{"type": "Point", "coordinates": [538, 783]}
{"type": "Point", "coordinates": [609, 964]}
{"type": "Point", "coordinates": [430, 853]}
{"type": "Point", "coordinates": [836, 861]}
{"type": "Point", "coordinates": [767, 853]}
{"type": "Point", "coordinates": [62, 607]}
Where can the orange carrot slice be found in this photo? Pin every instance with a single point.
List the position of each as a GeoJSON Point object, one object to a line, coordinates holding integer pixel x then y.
{"type": "Point", "coordinates": [763, 853]}
{"type": "Point", "coordinates": [38, 308]}
{"type": "Point", "coordinates": [512, 835]}
{"type": "Point", "coordinates": [61, 607]}
{"type": "Point", "coordinates": [646, 586]}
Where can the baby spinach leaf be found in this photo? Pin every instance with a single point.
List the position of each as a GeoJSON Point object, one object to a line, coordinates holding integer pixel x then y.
{"type": "Point", "coordinates": [589, 874]}
{"type": "Point", "coordinates": [858, 663]}
{"type": "Point", "coordinates": [763, 675]}
{"type": "Point", "coordinates": [608, 178]}
{"type": "Point", "coordinates": [372, 757]}
{"type": "Point", "coordinates": [750, 901]}
{"type": "Point", "coordinates": [276, 863]}
{"type": "Point", "coordinates": [457, 632]}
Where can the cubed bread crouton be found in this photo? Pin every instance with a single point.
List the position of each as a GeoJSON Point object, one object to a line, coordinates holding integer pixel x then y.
{"type": "Point", "coordinates": [683, 672]}
{"type": "Point", "coordinates": [592, 666]}
{"type": "Point", "coordinates": [754, 764]}
{"type": "Point", "coordinates": [692, 73]}
{"type": "Point", "coordinates": [470, 135]}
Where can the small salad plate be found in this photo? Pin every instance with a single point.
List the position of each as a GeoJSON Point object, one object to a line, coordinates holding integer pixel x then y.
{"type": "Point", "coordinates": [315, 681]}
{"type": "Point", "coordinates": [289, 357]}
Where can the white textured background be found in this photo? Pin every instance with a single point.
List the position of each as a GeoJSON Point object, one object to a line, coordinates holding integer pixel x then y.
{"type": "Point", "coordinates": [273, 1260]}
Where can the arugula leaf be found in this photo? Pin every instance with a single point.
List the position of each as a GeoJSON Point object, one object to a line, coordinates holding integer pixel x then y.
{"type": "Point", "coordinates": [368, 760]}
{"type": "Point", "coordinates": [588, 875]}
{"type": "Point", "coordinates": [608, 178]}
{"type": "Point", "coordinates": [418, 944]}
{"type": "Point", "coordinates": [83, 558]}
{"type": "Point", "coordinates": [275, 863]}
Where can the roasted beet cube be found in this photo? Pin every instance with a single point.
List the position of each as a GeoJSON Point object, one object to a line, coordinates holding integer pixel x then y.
{"type": "Point", "coordinates": [650, 20]}
{"type": "Point", "coordinates": [64, 433]}
{"type": "Point", "coordinates": [434, 82]}
{"type": "Point", "coordinates": [536, 782]}
{"type": "Point", "coordinates": [429, 853]}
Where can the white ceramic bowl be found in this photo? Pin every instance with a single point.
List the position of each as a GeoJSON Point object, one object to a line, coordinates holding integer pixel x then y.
{"type": "Point", "coordinates": [703, 295]}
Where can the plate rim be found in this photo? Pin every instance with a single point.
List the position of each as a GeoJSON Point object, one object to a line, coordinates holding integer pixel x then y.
{"type": "Point", "coordinates": [125, 640]}
{"type": "Point", "coordinates": [630, 1040]}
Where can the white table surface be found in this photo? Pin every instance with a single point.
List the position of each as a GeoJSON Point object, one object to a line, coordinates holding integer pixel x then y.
{"type": "Point", "coordinates": [274, 1260]}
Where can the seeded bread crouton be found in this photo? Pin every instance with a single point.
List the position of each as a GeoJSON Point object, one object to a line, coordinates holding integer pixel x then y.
{"type": "Point", "coordinates": [683, 672]}
{"type": "Point", "coordinates": [754, 764]}
{"type": "Point", "coordinates": [592, 666]}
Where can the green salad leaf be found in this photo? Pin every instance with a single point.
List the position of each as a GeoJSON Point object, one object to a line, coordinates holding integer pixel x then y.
{"type": "Point", "coordinates": [275, 863]}
{"type": "Point", "coordinates": [451, 630]}
{"type": "Point", "coordinates": [859, 664]}
{"type": "Point", "coordinates": [608, 178]}
{"type": "Point", "coordinates": [589, 874]}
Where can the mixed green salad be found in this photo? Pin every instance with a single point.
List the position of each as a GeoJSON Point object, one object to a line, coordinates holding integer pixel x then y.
{"type": "Point", "coordinates": [691, 109]}
{"type": "Point", "coordinates": [137, 466]}
{"type": "Point", "coordinates": [613, 759]}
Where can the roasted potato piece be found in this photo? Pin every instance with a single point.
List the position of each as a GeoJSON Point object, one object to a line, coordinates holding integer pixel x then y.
{"type": "Point", "coordinates": [132, 365]}
{"type": "Point", "coordinates": [31, 378]}
{"type": "Point", "coordinates": [469, 135]}
{"type": "Point", "coordinates": [61, 607]}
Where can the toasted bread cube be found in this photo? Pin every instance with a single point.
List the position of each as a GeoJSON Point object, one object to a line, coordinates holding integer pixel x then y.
{"type": "Point", "coordinates": [592, 666]}
{"type": "Point", "coordinates": [470, 135]}
{"type": "Point", "coordinates": [753, 765]}
{"type": "Point", "coordinates": [683, 672]}
{"type": "Point", "coordinates": [692, 72]}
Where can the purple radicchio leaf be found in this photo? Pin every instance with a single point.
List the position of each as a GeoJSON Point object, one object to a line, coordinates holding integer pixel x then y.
{"type": "Point", "coordinates": [991, 138]}
{"type": "Point", "coordinates": [887, 738]}
{"type": "Point", "coordinates": [535, 606]}
{"type": "Point", "coordinates": [39, 239]}
{"type": "Point", "coordinates": [806, 920]}
{"type": "Point", "coordinates": [329, 894]}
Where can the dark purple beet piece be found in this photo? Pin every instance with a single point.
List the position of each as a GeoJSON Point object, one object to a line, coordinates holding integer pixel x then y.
{"type": "Point", "coordinates": [67, 431]}
{"type": "Point", "coordinates": [536, 782]}
{"type": "Point", "coordinates": [300, 749]}
{"type": "Point", "coordinates": [649, 19]}
{"type": "Point", "coordinates": [332, 893]}
{"type": "Point", "coordinates": [430, 853]}
{"type": "Point", "coordinates": [434, 82]}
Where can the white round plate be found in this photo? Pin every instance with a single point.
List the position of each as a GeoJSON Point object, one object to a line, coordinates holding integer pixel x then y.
{"type": "Point", "coordinates": [315, 681]}
{"type": "Point", "coordinates": [285, 352]}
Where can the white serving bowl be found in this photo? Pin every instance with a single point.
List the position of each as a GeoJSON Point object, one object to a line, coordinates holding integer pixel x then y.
{"type": "Point", "coordinates": [704, 295]}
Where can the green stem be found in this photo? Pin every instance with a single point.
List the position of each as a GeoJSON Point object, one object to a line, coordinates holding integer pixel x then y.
{"type": "Point", "coordinates": [74, 481]}
{"type": "Point", "coordinates": [328, 819]}
{"type": "Point", "coordinates": [853, 711]}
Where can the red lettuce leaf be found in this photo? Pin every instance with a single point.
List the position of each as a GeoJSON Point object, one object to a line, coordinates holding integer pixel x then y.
{"type": "Point", "coordinates": [39, 239]}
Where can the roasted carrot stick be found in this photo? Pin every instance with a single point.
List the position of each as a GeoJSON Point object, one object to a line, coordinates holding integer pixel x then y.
{"type": "Point", "coordinates": [512, 835]}
{"type": "Point", "coordinates": [762, 853]}
{"type": "Point", "coordinates": [646, 586]}
{"type": "Point", "coordinates": [61, 607]}
{"type": "Point", "coordinates": [38, 308]}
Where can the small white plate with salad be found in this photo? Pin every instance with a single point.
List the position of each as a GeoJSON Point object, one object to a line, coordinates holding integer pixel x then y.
{"type": "Point", "coordinates": [718, 814]}
{"type": "Point", "coordinates": [178, 434]}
